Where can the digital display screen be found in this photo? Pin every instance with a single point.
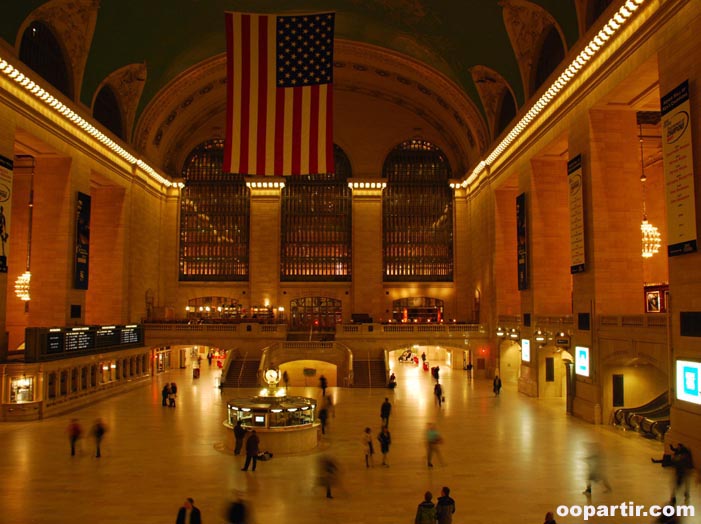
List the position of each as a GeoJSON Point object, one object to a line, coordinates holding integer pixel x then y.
{"type": "Point", "coordinates": [688, 387]}
{"type": "Point", "coordinates": [525, 350]}
{"type": "Point", "coordinates": [259, 419]}
{"type": "Point", "coordinates": [581, 361]}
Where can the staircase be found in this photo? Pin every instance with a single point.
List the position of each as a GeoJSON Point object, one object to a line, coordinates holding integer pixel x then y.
{"type": "Point", "coordinates": [242, 374]}
{"type": "Point", "coordinates": [369, 374]}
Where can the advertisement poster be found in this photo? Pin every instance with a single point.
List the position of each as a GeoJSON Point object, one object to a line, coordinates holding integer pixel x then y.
{"type": "Point", "coordinates": [6, 168]}
{"type": "Point", "coordinates": [82, 242]}
{"type": "Point", "coordinates": [574, 179]}
{"type": "Point", "coordinates": [522, 241]}
{"type": "Point", "coordinates": [678, 171]}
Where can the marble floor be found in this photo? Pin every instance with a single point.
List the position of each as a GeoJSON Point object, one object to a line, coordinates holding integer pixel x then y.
{"type": "Point", "coordinates": [508, 459]}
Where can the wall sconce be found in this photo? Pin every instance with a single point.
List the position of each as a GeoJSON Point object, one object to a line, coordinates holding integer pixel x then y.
{"type": "Point", "coordinates": [514, 333]}
{"type": "Point", "coordinates": [539, 336]}
{"type": "Point", "coordinates": [500, 331]}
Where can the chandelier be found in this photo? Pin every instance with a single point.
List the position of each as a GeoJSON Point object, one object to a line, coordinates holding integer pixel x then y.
{"type": "Point", "coordinates": [22, 286]}
{"type": "Point", "coordinates": [651, 235]}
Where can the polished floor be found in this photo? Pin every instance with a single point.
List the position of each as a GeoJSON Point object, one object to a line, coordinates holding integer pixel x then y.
{"type": "Point", "coordinates": [508, 459]}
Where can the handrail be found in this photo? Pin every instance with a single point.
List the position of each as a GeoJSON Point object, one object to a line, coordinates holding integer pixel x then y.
{"type": "Point", "coordinates": [243, 364]}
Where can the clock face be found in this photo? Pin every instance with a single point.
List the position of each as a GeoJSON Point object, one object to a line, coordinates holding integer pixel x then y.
{"type": "Point", "coordinates": [271, 375]}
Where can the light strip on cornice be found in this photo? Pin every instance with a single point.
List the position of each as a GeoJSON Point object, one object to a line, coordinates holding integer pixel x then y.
{"type": "Point", "coordinates": [367, 185]}
{"type": "Point", "coordinates": [71, 116]}
{"type": "Point", "coordinates": [265, 185]}
{"type": "Point", "coordinates": [616, 22]}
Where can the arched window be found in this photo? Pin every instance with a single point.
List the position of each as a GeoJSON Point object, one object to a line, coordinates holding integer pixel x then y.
{"type": "Point", "coordinates": [551, 54]}
{"type": "Point", "coordinates": [595, 9]}
{"type": "Point", "coordinates": [315, 313]}
{"type": "Point", "coordinates": [214, 218]}
{"type": "Point", "coordinates": [106, 110]}
{"type": "Point", "coordinates": [40, 50]}
{"type": "Point", "coordinates": [507, 112]}
{"type": "Point", "coordinates": [316, 234]}
{"type": "Point", "coordinates": [417, 214]}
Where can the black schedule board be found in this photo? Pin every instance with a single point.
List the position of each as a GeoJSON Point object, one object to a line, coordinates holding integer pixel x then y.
{"type": "Point", "coordinates": [130, 335]}
{"type": "Point", "coordinates": [79, 340]}
{"type": "Point", "coordinates": [106, 337]}
{"type": "Point", "coordinates": [54, 342]}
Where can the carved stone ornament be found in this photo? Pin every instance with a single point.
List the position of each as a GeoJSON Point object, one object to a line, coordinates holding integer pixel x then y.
{"type": "Point", "coordinates": [127, 83]}
{"type": "Point", "coordinates": [73, 22]}
{"type": "Point", "coordinates": [526, 24]}
{"type": "Point", "coordinates": [491, 87]}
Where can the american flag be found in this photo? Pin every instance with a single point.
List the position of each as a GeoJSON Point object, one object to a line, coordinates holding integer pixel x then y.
{"type": "Point", "coordinates": [279, 94]}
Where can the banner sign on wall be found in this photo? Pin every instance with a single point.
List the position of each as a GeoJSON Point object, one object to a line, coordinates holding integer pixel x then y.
{"type": "Point", "coordinates": [574, 179]}
{"type": "Point", "coordinates": [82, 242]}
{"type": "Point", "coordinates": [678, 171]}
{"type": "Point", "coordinates": [6, 168]}
{"type": "Point", "coordinates": [522, 241]}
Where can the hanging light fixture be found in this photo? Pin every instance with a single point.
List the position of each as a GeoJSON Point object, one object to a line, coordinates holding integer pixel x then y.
{"type": "Point", "coordinates": [650, 234]}
{"type": "Point", "coordinates": [23, 281]}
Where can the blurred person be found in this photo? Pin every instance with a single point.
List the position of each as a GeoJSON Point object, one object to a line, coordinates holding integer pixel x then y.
{"type": "Point", "coordinates": [237, 512]}
{"type": "Point", "coordinates": [367, 446]}
{"type": "Point", "coordinates": [323, 384]}
{"type": "Point", "coordinates": [392, 381]}
{"type": "Point", "coordinates": [173, 394]}
{"type": "Point", "coordinates": [426, 511]}
{"type": "Point", "coordinates": [445, 507]}
{"type": "Point", "coordinates": [328, 474]}
{"type": "Point", "coordinates": [165, 392]}
{"type": "Point", "coordinates": [496, 386]}
{"type": "Point", "coordinates": [433, 440]}
{"type": "Point", "coordinates": [239, 435]}
{"type": "Point", "coordinates": [683, 465]}
{"type": "Point", "coordinates": [251, 451]}
{"type": "Point", "coordinates": [286, 379]}
{"type": "Point", "coordinates": [549, 518]}
{"type": "Point", "coordinates": [385, 411]}
{"type": "Point", "coordinates": [595, 468]}
{"type": "Point", "coordinates": [385, 440]}
{"type": "Point", "coordinates": [75, 431]}
{"type": "Point", "coordinates": [98, 431]}
{"type": "Point", "coordinates": [189, 513]}
{"type": "Point", "coordinates": [323, 417]}
{"type": "Point", "coordinates": [438, 393]}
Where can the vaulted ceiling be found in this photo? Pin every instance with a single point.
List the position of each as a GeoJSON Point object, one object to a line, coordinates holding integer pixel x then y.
{"type": "Point", "coordinates": [174, 51]}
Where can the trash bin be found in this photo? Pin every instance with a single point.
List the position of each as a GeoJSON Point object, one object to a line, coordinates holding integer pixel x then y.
{"type": "Point", "coordinates": [196, 373]}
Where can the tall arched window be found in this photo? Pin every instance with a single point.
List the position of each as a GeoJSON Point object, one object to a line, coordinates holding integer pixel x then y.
{"type": "Point", "coordinates": [594, 10]}
{"type": "Point", "coordinates": [214, 218]}
{"type": "Point", "coordinates": [507, 112]}
{"type": "Point", "coordinates": [551, 54]}
{"type": "Point", "coordinates": [316, 234]}
{"type": "Point", "coordinates": [106, 110]}
{"type": "Point", "coordinates": [417, 214]}
{"type": "Point", "coordinates": [40, 50]}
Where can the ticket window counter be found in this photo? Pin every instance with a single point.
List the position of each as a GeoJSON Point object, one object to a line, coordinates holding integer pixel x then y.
{"type": "Point", "coordinates": [22, 389]}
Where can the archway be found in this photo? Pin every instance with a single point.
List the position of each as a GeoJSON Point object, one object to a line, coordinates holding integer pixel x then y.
{"type": "Point", "coordinates": [509, 361]}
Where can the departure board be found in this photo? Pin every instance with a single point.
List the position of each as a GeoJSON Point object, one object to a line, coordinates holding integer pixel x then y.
{"type": "Point", "coordinates": [130, 335]}
{"type": "Point", "coordinates": [85, 339]}
{"type": "Point", "coordinates": [54, 342]}
{"type": "Point", "coordinates": [107, 336]}
{"type": "Point", "coordinates": [78, 340]}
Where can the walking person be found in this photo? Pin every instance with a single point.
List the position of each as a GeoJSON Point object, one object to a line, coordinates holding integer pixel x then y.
{"type": "Point", "coordinates": [683, 466]}
{"type": "Point", "coordinates": [438, 393]}
{"type": "Point", "coordinates": [165, 392]}
{"type": "Point", "coordinates": [367, 445]}
{"type": "Point", "coordinates": [385, 440]}
{"type": "Point", "coordinates": [189, 513]}
{"type": "Point", "coordinates": [385, 411]}
{"type": "Point", "coordinates": [433, 440]}
{"type": "Point", "coordinates": [595, 466]}
{"type": "Point", "coordinates": [328, 474]}
{"type": "Point", "coordinates": [251, 451]}
{"type": "Point", "coordinates": [98, 431]}
{"type": "Point", "coordinates": [74, 433]}
{"type": "Point", "coordinates": [497, 385]}
{"type": "Point", "coordinates": [323, 384]}
{"type": "Point", "coordinates": [323, 417]}
{"type": "Point", "coordinates": [426, 512]}
{"type": "Point", "coordinates": [209, 359]}
{"type": "Point", "coordinates": [173, 394]}
{"type": "Point", "coordinates": [445, 507]}
{"type": "Point", "coordinates": [239, 435]}
{"type": "Point", "coordinates": [286, 379]}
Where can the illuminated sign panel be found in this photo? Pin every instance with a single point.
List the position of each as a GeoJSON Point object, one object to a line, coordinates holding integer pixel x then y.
{"type": "Point", "coordinates": [688, 387]}
{"type": "Point", "coordinates": [525, 350]}
{"type": "Point", "coordinates": [581, 361]}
